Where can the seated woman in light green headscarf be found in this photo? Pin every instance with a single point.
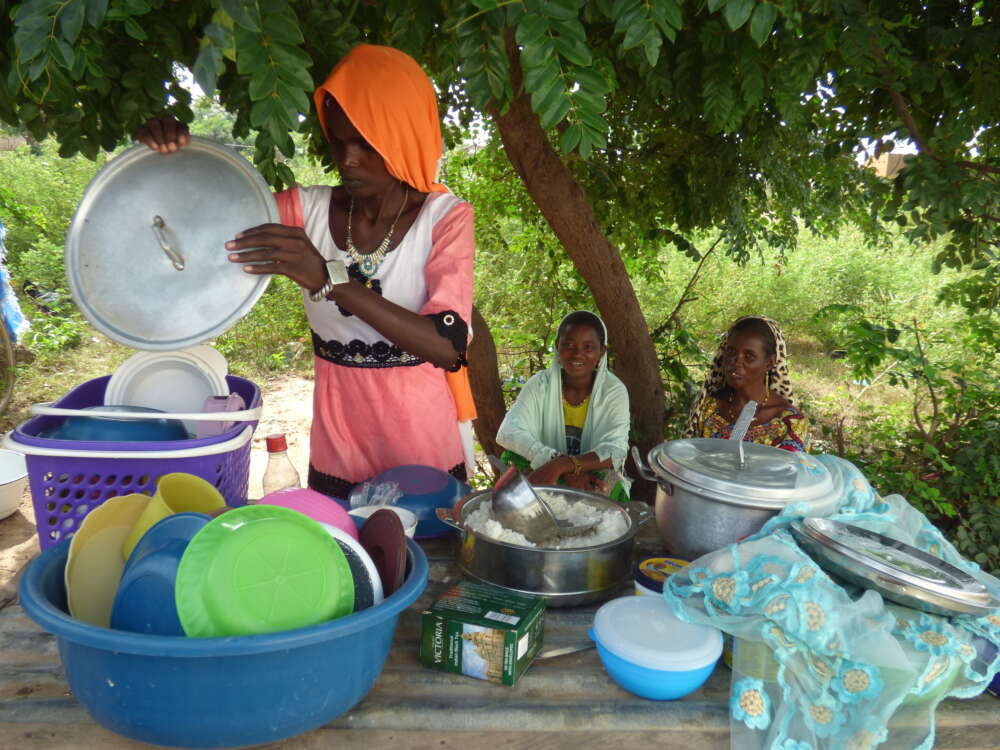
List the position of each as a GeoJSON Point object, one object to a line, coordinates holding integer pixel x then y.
{"type": "Point", "coordinates": [570, 423]}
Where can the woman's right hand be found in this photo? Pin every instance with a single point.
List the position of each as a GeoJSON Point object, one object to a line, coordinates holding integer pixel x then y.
{"type": "Point", "coordinates": [165, 134]}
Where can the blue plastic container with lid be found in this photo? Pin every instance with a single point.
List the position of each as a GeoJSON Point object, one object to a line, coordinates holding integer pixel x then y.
{"type": "Point", "coordinates": [648, 651]}
{"type": "Point", "coordinates": [217, 692]}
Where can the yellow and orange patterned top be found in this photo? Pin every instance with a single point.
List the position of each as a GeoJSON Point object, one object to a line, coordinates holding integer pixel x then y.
{"type": "Point", "coordinates": [789, 430]}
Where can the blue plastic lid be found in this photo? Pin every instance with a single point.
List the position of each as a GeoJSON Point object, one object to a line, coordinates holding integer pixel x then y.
{"type": "Point", "coordinates": [644, 631]}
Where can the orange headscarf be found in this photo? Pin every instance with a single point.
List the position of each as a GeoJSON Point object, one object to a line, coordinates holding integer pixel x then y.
{"type": "Point", "coordinates": [391, 101]}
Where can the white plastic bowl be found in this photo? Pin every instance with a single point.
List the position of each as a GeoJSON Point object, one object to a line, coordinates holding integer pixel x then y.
{"type": "Point", "coordinates": [408, 517]}
{"type": "Point", "coordinates": [13, 477]}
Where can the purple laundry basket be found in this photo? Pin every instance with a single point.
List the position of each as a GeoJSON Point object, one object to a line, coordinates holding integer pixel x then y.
{"type": "Point", "coordinates": [69, 478]}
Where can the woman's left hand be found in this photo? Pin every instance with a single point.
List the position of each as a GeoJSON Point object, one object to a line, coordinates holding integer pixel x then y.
{"type": "Point", "coordinates": [279, 249]}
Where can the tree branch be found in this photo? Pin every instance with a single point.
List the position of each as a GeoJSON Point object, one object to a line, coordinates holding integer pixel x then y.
{"type": "Point", "coordinates": [935, 413]}
{"type": "Point", "coordinates": [684, 299]}
{"type": "Point", "coordinates": [903, 110]}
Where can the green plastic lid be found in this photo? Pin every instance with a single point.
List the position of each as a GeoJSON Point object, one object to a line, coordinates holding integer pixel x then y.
{"type": "Point", "coordinates": [261, 569]}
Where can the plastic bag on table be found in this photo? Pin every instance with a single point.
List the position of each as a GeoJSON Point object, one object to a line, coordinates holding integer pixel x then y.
{"type": "Point", "coordinates": [370, 493]}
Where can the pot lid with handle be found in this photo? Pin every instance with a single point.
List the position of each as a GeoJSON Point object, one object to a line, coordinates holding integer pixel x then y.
{"type": "Point", "coordinates": [899, 571]}
{"type": "Point", "coordinates": [145, 255]}
{"type": "Point", "coordinates": [771, 477]}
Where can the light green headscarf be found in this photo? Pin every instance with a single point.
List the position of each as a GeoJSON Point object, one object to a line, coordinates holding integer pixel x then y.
{"type": "Point", "coordinates": [536, 429]}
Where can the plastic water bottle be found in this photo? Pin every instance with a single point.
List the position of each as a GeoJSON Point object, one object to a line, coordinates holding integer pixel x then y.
{"type": "Point", "coordinates": [280, 474]}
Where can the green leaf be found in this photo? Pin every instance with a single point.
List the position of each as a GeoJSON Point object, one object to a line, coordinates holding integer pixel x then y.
{"type": "Point", "coordinates": [570, 138]}
{"type": "Point", "coordinates": [134, 30]}
{"type": "Point", "coordinates": [671, 12]}
{"type": "Point", "coordinates": [220, 35]}
{"type": "Point", "coordinates": [30, 47]}
{"type": "Point", "coordinates": [544, 99]}
{"type": "Point", "coordinates": [64, 53]}
{"type": "Point", "coordinates": [531, 28]}
{"type": "Point", "coordinates": [652, 49]}
{"type": "Point", "coordinates": [556, 111]}
{"type": "Point", "coordinates": [591, 80]}
{"type": "Point", "coordinates": [762, 22]}
{"type": "Point", "coordinates": [283, 27]}
{"type": "Point", "coordinates": [562, 9]}
{"type": "Point", "coordinates": [637, 34]}
{"type": "Point", "coordinates": [574, 50]}
{"type": "Point", "coordinates": [296, 100]}
{"type": "Point", "coordinates": [621, 7]}
{"type": "Point", "coordinates": [243, 12]}
{"type": "Point", "coordinates": [714, 5]}
{"type": "Point", "coordinates": [71, 20]}
{"type": "Point", "coordinates": [250, 59]}
{"type": "Point", "coordinates": [95, 11]}
{"type": "Point", "coordinates": [294, 63]}
{"type": "Point", "coordinates": [263, 82]}
{"type": "Point", "coordinates": [207, 67]}
{"type": "Point", "coordinates": [737, 12]}
{"type": "Point", "coordinates": [484, 4]}
{"type": "Point", "coordinates": [539, 77]}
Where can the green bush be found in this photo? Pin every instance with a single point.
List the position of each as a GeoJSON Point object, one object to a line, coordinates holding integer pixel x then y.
{"type": "Point", "coordinates": [942, 449]}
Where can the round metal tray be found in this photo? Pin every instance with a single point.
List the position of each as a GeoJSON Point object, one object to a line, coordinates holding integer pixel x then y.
{"type": "Point", "coordinates": [145, 258]}
{"type": "Point", "coordinates": [898, 571]}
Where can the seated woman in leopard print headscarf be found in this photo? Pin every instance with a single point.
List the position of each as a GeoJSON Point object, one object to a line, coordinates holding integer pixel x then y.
{"type": "Point", "coordinates": [750, 365]}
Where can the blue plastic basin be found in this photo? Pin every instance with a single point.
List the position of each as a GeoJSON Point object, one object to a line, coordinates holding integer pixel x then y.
{"type": "Point", "coordinates": [217, 692]}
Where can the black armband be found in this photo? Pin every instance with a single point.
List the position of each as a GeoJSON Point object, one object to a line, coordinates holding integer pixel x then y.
{"type": "Point", "coordinates": [453, 328]}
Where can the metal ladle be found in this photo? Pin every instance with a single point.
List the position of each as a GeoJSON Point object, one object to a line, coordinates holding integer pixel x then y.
{"type": "Point", "coordinates": [517, 506]}
{"type": "Point", "coordinates": [740, 428]}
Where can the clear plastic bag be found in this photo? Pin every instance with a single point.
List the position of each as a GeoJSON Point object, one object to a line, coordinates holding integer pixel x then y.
{"type": "Point", "coordinates": [368, 493]}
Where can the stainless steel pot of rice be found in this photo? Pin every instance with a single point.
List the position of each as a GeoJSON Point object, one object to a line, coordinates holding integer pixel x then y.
{"type": "Point", "coordinates": [565, 576]}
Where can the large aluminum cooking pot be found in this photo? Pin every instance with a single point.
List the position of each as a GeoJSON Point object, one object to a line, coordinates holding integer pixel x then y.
{"type": "Point", "coordinates": [705, 501]}
{"type": "Point", "coordinates": [565, 577]}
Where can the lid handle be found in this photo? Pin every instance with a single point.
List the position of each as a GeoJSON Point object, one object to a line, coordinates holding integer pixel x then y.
{"type": "Point", "coordinates": [175, 257]}
{"type": "Point", "coordinates": [740, 430]}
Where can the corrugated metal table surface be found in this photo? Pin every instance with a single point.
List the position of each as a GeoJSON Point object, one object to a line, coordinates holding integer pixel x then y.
{"type": "Point", "coordinates": [560, 703]}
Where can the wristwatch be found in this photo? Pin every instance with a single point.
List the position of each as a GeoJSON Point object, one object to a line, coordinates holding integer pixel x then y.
{"type": "Point", "coordinates": [336, 273]}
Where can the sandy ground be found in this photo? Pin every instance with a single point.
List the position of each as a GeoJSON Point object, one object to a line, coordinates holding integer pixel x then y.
{"type": "Point", "coordinates": [287, 409]}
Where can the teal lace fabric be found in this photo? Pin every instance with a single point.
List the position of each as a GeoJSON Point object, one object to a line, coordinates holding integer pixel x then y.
{"type": "Point", "coordinates": [821, 664]}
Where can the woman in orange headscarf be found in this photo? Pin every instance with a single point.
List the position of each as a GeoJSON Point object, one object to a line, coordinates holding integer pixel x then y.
{"type": "Point", "coordinates": [385, 264]}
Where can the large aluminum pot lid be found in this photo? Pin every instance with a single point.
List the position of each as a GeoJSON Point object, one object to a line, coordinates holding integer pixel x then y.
{"type": "Point", "coordinates": [897, 570]}
{"type": "Point", "coordinates": [771, 478]}
{"type": "Point", "coordinates": [190, 202]}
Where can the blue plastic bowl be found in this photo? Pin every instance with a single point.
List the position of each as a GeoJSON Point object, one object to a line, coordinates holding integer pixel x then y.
{"type": "Point", "coordinates": [655, 684]}
{"type": "Point", "coordinates": [649, 651]}
{"type": "Point", "coordinates": [144, 602]}
{"type": "Point", "coordinates": [425, 489]}
{"type": "Point", "coordinates": [111, 429]}
{"type": "Point", "coordinates": [217, 692]}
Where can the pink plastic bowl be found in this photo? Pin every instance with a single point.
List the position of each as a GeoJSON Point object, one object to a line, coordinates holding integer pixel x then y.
{"type": "Point", "coordinates": [314, 504]}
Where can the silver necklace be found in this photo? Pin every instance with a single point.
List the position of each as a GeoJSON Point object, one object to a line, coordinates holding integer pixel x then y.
{"type": "Point", "coordinates": [368, 263]}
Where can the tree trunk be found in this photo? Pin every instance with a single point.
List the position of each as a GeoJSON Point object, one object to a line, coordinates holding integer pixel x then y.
{"type": "Point", "coordinates": [564, 205]}
{"type": "Point", "coordinates": [484, 378]}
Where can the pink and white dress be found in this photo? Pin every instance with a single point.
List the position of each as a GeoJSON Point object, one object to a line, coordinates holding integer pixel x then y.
{"type": "Point", "coordinates": [376, 406]}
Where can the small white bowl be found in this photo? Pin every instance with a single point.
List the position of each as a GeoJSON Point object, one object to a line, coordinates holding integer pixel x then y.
{"type": "Point", "coordinates": [408, 517]}
{"type": "Point", "coordinates": [13, 477]}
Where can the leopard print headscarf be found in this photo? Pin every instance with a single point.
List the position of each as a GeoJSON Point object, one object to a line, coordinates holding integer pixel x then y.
{"type": "Point", "coordinates": [777, 378]}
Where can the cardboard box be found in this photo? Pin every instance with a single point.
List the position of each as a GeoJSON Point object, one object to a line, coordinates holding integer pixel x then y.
{"type": "Point", "coordinates": [482, 631]}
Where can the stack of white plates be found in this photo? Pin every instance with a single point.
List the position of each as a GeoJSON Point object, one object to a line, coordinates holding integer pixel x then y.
{"type": "Point", "coordinates": [174, 382]}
